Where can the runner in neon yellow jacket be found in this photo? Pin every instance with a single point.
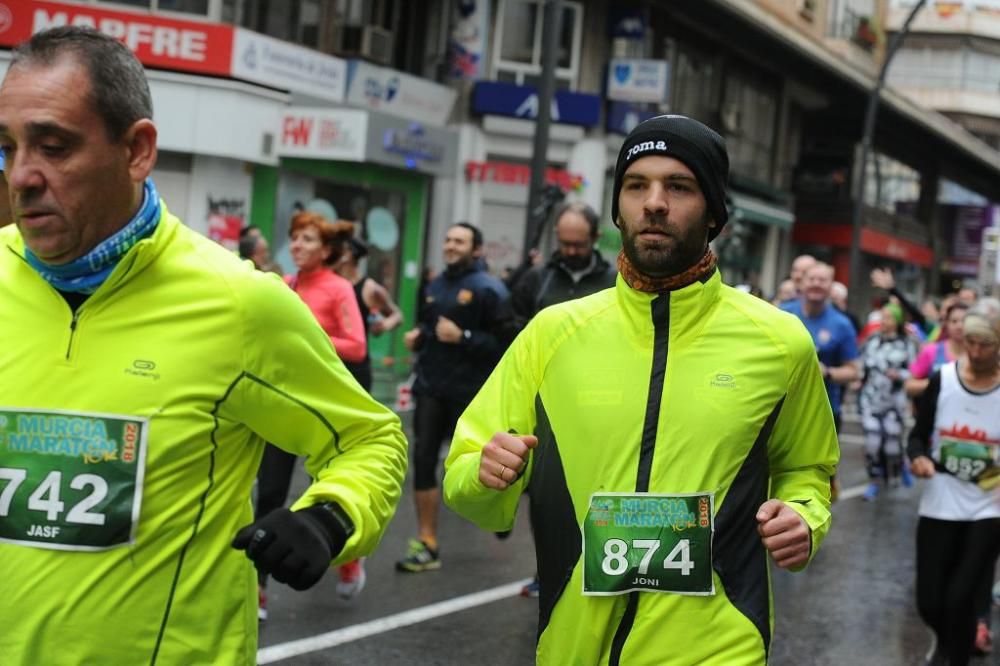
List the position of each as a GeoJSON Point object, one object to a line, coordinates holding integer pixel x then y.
{"type": "Point", "coordinates": [214, 376]}
{"type": "Point", "coordinates": [142, 366]}
{"type": "Point", "coordinates": [659, 418]}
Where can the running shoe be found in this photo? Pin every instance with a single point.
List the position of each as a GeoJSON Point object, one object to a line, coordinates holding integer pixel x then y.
{"type": "Point", "coordinates": [261, 604]}
{"type": "Point", "coordinates": [871, 492]}
{"type": "Point", "coordinates": [906, 475]}
{"type": "Point", "coordinates": [420, 557]}
{"type": "Point", "coordinates": [984, 639]}
{"type": "Point", "coordinates": [531, 589]}
{"type": "Point", "coordinates": [352, 579]}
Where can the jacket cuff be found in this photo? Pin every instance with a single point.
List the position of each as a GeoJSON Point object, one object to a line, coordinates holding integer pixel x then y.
{"type": "Point", "coordinates": [332, 522]}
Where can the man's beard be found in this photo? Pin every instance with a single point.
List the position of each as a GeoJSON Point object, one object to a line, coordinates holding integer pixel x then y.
{"type": "Point", "coordinates": [668, 259]}
{"type": "Point", "coordinates": [462, 263]}
{"type": "Point", "coordinates": [576, 262]}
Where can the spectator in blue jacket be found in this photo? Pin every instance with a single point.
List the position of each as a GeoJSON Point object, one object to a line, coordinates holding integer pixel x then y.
{"type": "Point", "coordinates": [465, 324]}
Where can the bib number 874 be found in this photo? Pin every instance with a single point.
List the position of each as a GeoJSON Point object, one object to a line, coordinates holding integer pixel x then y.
{"type": "Point", "coordinates": [45, 497]}
{"type": "Point", "coordinates": [616, 561]}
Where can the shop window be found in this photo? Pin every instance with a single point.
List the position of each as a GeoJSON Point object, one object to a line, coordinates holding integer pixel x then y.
{"type": "Point", "coordinates": [517, 50]}
{"type": "Point", "coordinates": [379, 215]}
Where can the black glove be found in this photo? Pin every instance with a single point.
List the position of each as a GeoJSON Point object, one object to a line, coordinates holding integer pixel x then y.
{"type": "Point", "coordinates": [295, 547]}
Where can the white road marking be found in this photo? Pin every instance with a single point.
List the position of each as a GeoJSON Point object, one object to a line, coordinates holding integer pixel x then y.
{"type": "Point", "coordinates": [283, 651]}
{"type": "Point", "coordinates": [852, 439]}
{"type": "Point", "coordinates": [852, 492]}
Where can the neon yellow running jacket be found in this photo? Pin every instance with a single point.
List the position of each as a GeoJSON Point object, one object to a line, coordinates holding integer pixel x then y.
{"type": "Point", "coordinates": [131, 435]}
{"type": "Point", "coordinates": [701, 390]}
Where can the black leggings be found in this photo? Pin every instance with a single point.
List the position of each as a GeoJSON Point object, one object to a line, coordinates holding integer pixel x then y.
{"type": "Point", "coordinates": [433, 420]}
{"type": "Point", "coordinates": [273, 479]}
{"type": "Point", "coordinates": [362, 372]}
{"type": "Point", "coordinates": [952, 560]}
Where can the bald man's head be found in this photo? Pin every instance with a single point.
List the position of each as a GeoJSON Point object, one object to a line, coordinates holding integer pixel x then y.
{"type": "Point", "coordinates": [800, 265]}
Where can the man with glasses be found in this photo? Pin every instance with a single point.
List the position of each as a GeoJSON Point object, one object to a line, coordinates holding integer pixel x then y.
{"type": "Point", "coordinates": [575, 269]}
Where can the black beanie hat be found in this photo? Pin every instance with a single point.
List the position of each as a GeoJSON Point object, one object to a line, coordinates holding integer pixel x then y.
{"type": "Point", "coordinates": [696, 145]}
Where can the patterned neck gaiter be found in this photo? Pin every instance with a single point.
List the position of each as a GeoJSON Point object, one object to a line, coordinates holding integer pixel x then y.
{"type": "Point", "coordinates": [642, 282]}
{"type": "Point", "coordinates": [85, 274]}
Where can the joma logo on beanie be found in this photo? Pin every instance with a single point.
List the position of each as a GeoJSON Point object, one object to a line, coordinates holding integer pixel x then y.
{"type": "Point", "coordinates": [644, 147]}
{"type": "Point", "coordinates": [696, 145]}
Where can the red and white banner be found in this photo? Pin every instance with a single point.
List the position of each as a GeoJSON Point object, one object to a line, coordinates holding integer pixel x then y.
{"type": "Point", "coordinates": [159, 42]}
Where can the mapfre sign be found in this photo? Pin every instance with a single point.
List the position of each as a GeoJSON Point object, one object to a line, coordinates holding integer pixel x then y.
{"type": "Point", "coordinates": [163, 43]}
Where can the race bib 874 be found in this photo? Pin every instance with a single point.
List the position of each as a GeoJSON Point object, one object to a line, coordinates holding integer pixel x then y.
{"type": "Point", "coordinates": [648, 542]}
{"type": "Point", "coordinates": [70, 480]}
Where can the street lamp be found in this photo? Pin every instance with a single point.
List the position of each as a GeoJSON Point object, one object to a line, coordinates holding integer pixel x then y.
{"type": "Point", "coordinates": [854, 269]}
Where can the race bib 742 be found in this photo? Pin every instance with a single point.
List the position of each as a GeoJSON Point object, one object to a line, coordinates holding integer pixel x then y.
{"type": "Point", "coordinates": [70, 480]}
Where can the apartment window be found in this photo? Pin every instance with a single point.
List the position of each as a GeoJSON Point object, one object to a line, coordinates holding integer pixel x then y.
{"type": "Point", "coordinates": [200, 7]}
{"type": "Point", "coordinates": [982, 72]}
{"type": "Point", "coordinates": [748, 120]}
{"type": "Point", "coordinates": [517, 49]}
{"type": "Point", "coordinates": [927, 67]}
{"type": "Point", "coordinates": [694, 80]}
{"type": "Point", "coordinates": [291, 20]}
{"type": "Point", "coordinates": [846, 15]}
{"type": "Point", "coordinates": [890, 184]}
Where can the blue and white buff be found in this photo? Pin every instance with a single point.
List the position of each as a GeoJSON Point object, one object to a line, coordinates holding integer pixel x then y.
{"type": "Point", "coordinates": [86, 274]}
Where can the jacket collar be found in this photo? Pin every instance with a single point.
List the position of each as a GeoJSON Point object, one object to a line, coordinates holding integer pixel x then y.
{"type": "Point", "coordinates": [690, 307]}
{"type": "Point", "coordinates": [134, 262]}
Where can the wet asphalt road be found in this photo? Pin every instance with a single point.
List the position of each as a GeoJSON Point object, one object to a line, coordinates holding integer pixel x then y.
{"type": "Point", "coordinates": [853, 606]}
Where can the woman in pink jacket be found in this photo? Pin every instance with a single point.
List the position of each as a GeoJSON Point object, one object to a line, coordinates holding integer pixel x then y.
{"type": "Point", "coordinates": [316, 245]}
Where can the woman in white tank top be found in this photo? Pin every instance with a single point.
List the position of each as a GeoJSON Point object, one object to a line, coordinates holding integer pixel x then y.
{"type": "Point", "coordinates": [955, 444]}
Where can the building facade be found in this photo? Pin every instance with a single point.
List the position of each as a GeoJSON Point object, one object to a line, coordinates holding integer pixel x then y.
{"type": "Point", "coordinates": [405, 117]}
{"type": "Point", "coordinates": [785, 81]}
{"type": "Point", "coordinates": [950, 62]}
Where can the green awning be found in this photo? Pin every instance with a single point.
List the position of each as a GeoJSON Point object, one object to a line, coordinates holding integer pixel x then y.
{"type": "Point", "coordinates": [752, 209]}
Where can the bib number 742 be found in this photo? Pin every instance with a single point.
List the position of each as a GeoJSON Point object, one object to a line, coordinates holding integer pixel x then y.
{"type": "Point", "coordinates": [616, 560]}
{"type": "Point", "coordinates": [45, 498]}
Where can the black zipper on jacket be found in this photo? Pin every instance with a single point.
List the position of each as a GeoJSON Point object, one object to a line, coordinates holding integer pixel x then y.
{"type": "Point", "coordinates": [72, 333]}
{"type": "Point", "coordinates": [76, 313]}
{"type": "Point", "coordinates": [660, 310]}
